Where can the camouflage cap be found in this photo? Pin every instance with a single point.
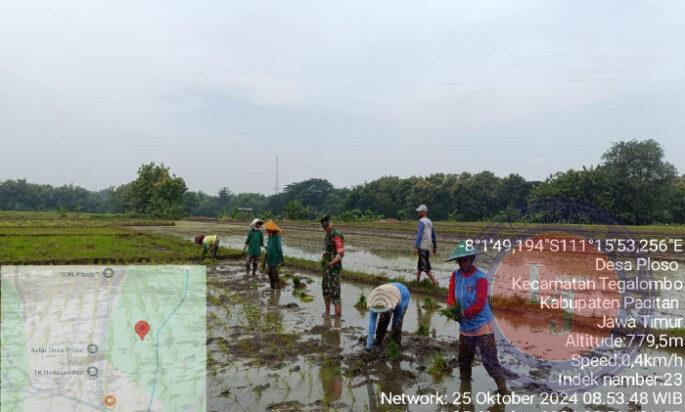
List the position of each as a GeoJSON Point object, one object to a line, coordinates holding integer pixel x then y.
{"type": "Point", "coordinates": [325, 220]}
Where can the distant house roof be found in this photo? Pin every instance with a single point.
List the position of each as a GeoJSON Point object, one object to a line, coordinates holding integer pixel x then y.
{"type": "Point", "coordinates": [244, 209]}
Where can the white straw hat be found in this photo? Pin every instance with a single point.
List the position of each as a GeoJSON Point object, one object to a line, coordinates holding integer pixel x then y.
{"type": "Point", "coordinates": [383, 298]}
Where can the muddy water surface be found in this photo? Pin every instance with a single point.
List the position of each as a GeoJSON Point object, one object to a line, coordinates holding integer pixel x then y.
{"type": "Point", "coordinates": [274, 350]}
{"type": "Point", "coordinates": [270, 350]}
{"type": "Point", "coordinates": [387, 253]}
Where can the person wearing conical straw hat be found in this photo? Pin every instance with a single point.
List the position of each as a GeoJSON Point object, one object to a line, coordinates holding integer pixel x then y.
{"type": "Point", "coordinates": [468, 291]}
{"type": "Point", "coordinates": [385, 302]}
{"type": "Point", "coordinates": [274, 253]}
{"type": "Point", "coordinates": [253, 245]}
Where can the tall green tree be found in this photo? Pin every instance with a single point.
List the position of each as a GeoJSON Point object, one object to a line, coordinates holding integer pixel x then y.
{"type": "Point", "coordinates": [225, 196]}
{"type": "Point", "coordinates": [556, 197]}
{"type": "Point", "coordinates": [385, 196]}
{"type": "Point", "coordinates": [294, 209]}
{"type": "Point", "coordinates": [256, 201]}
{"type": "Point", "coordinates": [677, 209]}
{"type": "Point", "coordinates": [641, 180]}
{"type": "Point", "coordinates": [634, 183]}
{"type": "Point", "coordinates": [157, 192]}
{"type": "Point", "coordinates": [475, 196]}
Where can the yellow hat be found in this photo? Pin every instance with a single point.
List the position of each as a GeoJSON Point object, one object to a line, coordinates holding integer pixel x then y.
{"type": "Point", "coordinates": [270, 225]}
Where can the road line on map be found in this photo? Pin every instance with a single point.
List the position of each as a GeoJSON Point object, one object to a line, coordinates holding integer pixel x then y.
{"type": "Point", "coordinates": [178, 305]}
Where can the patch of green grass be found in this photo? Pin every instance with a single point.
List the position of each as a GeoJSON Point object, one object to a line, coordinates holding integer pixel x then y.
{"type": "Point", "coordinates": [259, 390]}
{"type": "Point", "coordinates": [430, 304]}
{"type": "Point", "coordinates": [283, 344]}
{"type": "Point", "coordinates": [45, 239]}
{"type": "Point", "coordinates": [423, 329]}
{"type": "Point", "coordinates": [40, 231]}
{"type": "Point", "coordinates": [298, 284]}
{"type": "Point", "coordinates": [253, 315]}
{"type": "Point", "coordinates": [361, 303]}
{"type": "Point", "coordinates": [393, 350]}
{"type": "Point", "coordinates": [439, 367]}
{"type": "Point", "coordinates": [214, 300]}
{"type": "Point", "coordinates": [331, 365]}
{"type": "Point", "coordinates": [55, 219]}
{"type": "Point", "coordinates": [212, 364]}
{"type": "Point", "coordinates": [223, 346]}
{"type": "Point", "coordinates": [424, 287]}
{"type": "Point", "coordinates": [450, 313]}
{"type": "Point", "coordinates": [305, 297]}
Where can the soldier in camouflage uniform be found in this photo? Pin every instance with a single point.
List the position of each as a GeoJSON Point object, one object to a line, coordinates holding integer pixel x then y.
{"type": "Point", "coordinates": [331, 264]}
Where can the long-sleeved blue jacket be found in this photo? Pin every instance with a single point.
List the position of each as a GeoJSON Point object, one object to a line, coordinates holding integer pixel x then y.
{"type": "Point", "coordinates": [423, 232]}
{"type": "Point", "coordinates": [397, 314]}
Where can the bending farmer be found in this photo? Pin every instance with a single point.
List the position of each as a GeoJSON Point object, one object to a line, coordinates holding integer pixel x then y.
{"type": "Point", "coordinates": [331, 264]}
{"type": "Point", "coordinates": [253, 244]}
{"type": "Point", "coordinates": [469, 291]}
{"type": "Point", "coordinates": [388, 300]}
{"type": "Point", "coordinates": [209, 244]}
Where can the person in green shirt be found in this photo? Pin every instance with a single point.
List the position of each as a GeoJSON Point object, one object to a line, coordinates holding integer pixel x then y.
{"type": "Point", "coordinates": [253, 245]}
{"type": "Point", "coordinates": [274, 253]}
{"type": "Point", "coordinates": [331, 264]}
{"type": "Point", "coordinates": [209, 244]}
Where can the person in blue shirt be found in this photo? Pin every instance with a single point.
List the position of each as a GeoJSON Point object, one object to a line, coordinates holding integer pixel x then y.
{"type": "Point", "coordinates": [385, 302]}
{"type": "Point", "coordinates": [424, 243]}
{"type": "Point", "coordinates": [468, 292]}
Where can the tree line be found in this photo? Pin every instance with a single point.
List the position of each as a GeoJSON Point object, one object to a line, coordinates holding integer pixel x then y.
{"type": "Point", "coordinates": [633, 184]}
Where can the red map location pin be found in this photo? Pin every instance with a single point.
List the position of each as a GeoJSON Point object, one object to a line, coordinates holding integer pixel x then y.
{"type": "Point", "coordinates": [142, 328]}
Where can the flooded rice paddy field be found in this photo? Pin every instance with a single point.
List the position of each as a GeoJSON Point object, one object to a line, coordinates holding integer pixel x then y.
{"type": "Point", "coordinates": [273, 350]}
{"type": "Point", "coordinates": [373, 251]}
{"type": "Point", "coordinates": [369, 252]}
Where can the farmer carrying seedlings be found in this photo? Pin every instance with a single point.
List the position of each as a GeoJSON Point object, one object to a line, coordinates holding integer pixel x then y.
{"type": "Point", "coordinates": [253, 244]}
{"type": "Point", "coordinates": [388, 300]}
{"type": "Point", "coordinates": [209, 244]}
{"type": "Point", "coordinates": [274, 253]}
{"type": "Point", "coordinates": [469, 291]}
{"type": "Point", "coordinates": [423, 244]}
{"type": "Point", "coordinates": [331, 264]}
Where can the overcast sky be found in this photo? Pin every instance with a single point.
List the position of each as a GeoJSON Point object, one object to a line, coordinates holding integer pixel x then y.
{"type": "Point", "coordinates": [346, 90]}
